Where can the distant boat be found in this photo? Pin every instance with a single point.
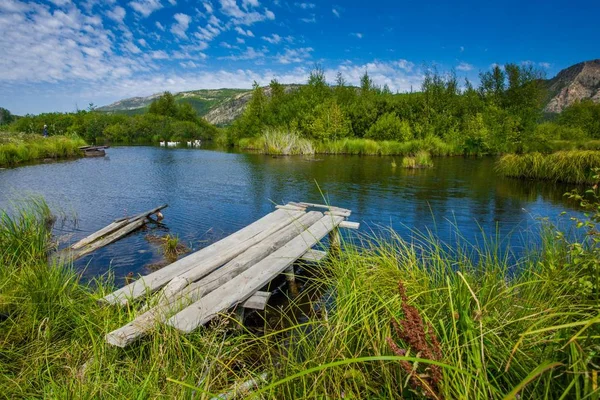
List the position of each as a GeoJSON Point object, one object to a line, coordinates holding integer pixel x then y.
{"type": "Point", "coordinates": [93, 151]}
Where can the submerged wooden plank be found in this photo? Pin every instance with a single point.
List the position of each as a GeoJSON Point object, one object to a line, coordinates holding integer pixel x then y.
{"type": "Point", "coordinates": [125, 230]}
{"type": "Point", "coordinates": [326, 206]}
{"type": "Point", "coordinates": [258, 301]}
{"type": "Point", "coordinates": [158, 279]}
{"type": "Point", "coordinates": [313, 255]}
{"type": "Point", "coordinates": [98, 234]}
{"type": "Point", "coordinates": [167, 306]}
{"type": "Point", "coordinates": [250, 281]}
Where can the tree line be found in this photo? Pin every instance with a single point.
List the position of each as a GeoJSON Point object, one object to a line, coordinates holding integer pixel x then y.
{"type": "Point", "coordinates": [165, 120]}
{"type": "Point", "coordinates": [504, 113]}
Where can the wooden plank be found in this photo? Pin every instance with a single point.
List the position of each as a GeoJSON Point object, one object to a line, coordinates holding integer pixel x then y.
{"type": "Point", "coordinates": [258, 301]}
{"type": "Point", "coordinates": [341, 213]}
{"type": "Point", "coordinates": [326, 206]}
{"type": "Point", "coordinates": [290, 207]}
{"type": "Point", "coordinates": [98, 234]}
{"type": "Point", "coordinates": [125, 230]}
{"type": "Point", "coordinates": [169, 305]}
{"type": "Point", "coordinates": [148, 213]}
{"type": "Point", "coordinates": [158, 279]}
{"type": "Point", "coordinates": [250, 281]}
{"type": "Point", "coordinates": [263, 249]}
{"type": "Point", "coordinates": [313, 255]}
{"type": "Point", "coordinates": [350, 225]}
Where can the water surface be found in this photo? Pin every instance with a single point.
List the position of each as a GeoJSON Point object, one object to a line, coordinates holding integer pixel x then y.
{"type": "Point", "coordinates": [212, 194]}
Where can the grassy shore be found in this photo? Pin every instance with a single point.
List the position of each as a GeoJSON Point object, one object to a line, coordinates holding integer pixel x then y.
{"type": "Point", "coordinates": [19, 148]}
{"type": "Point", "coordinates": [400, 319]}
{"type": "Point", "coordinates": [575, 166]}
{"type": "Point", "coordinates": [288, 143]}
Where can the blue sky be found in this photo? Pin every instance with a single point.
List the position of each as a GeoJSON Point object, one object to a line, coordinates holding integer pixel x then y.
{"type": "Point", "coordinates": [59, 55]}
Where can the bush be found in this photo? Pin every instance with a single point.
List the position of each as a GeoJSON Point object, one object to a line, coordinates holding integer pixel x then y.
{"type": "Point", "coordinates": [390, 127]}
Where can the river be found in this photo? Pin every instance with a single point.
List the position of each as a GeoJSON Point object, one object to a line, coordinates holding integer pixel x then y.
{"type": "Point", "coordinates": [213, 193]}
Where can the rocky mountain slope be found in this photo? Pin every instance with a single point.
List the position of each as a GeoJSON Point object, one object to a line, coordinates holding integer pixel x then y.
{"type": "Point", "coordinates": [578, 82]}
{"type": "Point", "coordinates": [218, 106]}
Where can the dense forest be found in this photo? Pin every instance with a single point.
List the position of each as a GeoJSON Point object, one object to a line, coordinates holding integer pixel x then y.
{"type": "Point", "coordinates": [165, 120]}
{"type": "Point", "coordinates": [503, 114]}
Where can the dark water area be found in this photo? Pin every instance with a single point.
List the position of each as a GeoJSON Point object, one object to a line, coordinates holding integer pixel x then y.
{"type": "Point", "coordinates": [211, 194]}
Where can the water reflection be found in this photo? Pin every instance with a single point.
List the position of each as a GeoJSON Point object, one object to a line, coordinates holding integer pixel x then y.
{"type": "Point", "coordinates": [211, 194]}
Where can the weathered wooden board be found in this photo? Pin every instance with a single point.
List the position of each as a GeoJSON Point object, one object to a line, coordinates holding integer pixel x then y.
{"type": "Point", "coordinates": [313, 255]}
{"type": "Point", "coordinates": [350, 225]}
{"type": "Point", "coordinates": [238, 241]}
{"type": "Point", "coordinates": [258, 301]}
{"type": "Point", "coordinates": [96, 235]}
{"type": "Point", "coordinates": [250, 281]}
{"type": "Point", "coordinates": [171, 303]}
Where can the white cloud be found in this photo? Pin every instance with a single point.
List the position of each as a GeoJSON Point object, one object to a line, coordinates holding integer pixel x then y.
{"type": "Point", "coordinates": [117, 14]}
{"type": "Point", "coordinates": [208, 7]}
{"type": "Point", "coordinates": [227, 45]}
{"type": "Point", "coordinates": [249, 54]}
{"type": "Point", "coordinates": [545, 65]}
{"type": "Point", "coordinates": [335, 12]}
{"type": "Point", "coordinates": [244, 32]}
{"type": "Point", "coordinates": [159, 55]}
{"type": "Point", "coordinates": [145, 7]}
{"type": "Point", "coordinates": [305, 6]}
{"type": "Point", "coordinates": [357, 34]}
{"type": "Point", "coordinates": [462, 48]}
{"type": "Point", "coordinates": [405, 65]}
{"type": "Point", "coordinates": [173, 2]}
{"type": "Point", "coordinates": [463, 66]}
{"type": "Point", "coordinates": [188, 64]}
{"type": "Point", "coordinates": [180, 27]}
{"type": "Point", "coordinates": [208, 33]}
{"type": "Point", "coordinates": [143, 42]}
{"type": "Point", "coordinates": [240, 40]}
{"type": "Point", "coordinates": [295, 55]}
{"type": "Point", "coordinates": [310, 20]}
{"type": "Point", "coordinates": [273, 39]}
{"type": "Point", "coordinates": [243, 17]}
{"type": "Point", "coordinates": [249, 3]}
{"type": "Point", "coordinates": [160, 26]}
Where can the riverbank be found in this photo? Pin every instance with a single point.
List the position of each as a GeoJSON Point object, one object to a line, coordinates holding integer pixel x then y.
{"type": "Point", "coordinates": [398, 320]}
{"type": "Point", "coordinates": [20, 148]}
{"type": "Point", "coordinates": [575, 166]}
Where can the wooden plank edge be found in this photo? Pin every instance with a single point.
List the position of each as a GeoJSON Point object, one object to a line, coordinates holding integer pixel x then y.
{"type": "Point", "coordinates": [350, 225]}
{"type": "Point", "coordinates": [258, 301]}
{"type": "Point", "coordinates": [313, 255]}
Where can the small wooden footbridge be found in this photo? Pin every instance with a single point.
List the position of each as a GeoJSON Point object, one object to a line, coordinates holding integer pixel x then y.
{"type": "Point", "coordinates": [231, 272]}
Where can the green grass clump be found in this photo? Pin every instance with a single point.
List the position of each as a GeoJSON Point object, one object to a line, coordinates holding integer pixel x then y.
{"type": "Point", "coordinates": [278, 142]}
{"type": "Point", "coordinates": [19, 148]}
{"type": "Point", "coordinates": [472, 322]}
{"type": "Point", "coordinates": [574, 166]}
{"type": "Point", "coordinates": [421, 160]}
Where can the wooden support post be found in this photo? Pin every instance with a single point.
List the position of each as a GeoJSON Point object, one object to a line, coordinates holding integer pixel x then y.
{"type": "Point", "coordinates": [334, 241]}
{"type": "Point", "coordinates": [289, 274]}
{"type": "Point", "coordinates": [240, 313]}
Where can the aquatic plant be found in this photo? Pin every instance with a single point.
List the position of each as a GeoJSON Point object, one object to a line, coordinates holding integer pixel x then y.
{"type": "Point", "coordinates": [575, 166]}
{"type": "Point", "coordinates": [421, 160]}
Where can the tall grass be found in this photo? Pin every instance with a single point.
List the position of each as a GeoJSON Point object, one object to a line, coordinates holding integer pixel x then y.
{"type": "Point", "coordinates": [421, 160]}
{"type": "Point", "coordinates": [575, 166]}
{"type": "Point", "coordinates": [277, 142]}
{"type": "Point", "coordinates": [502, 328]}
{"type": "Point", "coordinates": [17, 149]}
{"type": "Point", "coordinates": [280, 143]}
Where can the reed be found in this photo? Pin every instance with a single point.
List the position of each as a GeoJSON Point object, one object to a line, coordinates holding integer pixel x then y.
{"type": "Point", "coordinates": [575, 166]}
{"type": "Point", "coordinates": [16, 149]}
{"type": "Point", "coordinates": [388, 318]}
{"type": "Point", "coordinates": [421, 160]}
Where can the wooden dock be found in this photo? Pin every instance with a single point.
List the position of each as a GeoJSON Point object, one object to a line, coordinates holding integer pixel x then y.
{"type": "Point", "coordinates": [231, 272]}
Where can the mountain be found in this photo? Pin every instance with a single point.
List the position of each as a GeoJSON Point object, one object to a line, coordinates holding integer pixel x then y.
{"type": "Point", "coordinates": [578, 82]}
{"type": "Point", "coordinates": [218, 106]}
